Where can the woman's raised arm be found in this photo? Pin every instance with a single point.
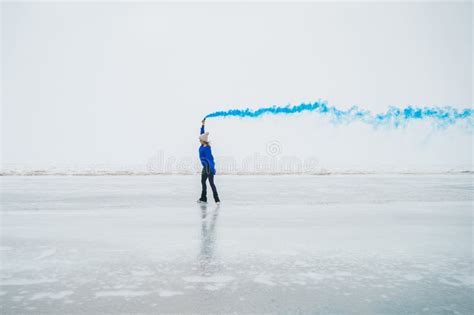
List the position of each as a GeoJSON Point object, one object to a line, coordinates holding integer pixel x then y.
{"type": "Point", "coordinates": [203, 122]}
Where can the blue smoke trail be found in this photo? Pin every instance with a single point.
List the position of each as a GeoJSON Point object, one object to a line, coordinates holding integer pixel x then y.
{"type": "Point", "coordinates": [394, 116]}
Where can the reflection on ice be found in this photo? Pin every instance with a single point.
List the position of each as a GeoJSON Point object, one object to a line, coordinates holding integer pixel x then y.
{"type": "Point", "coordinates": [208, 238]}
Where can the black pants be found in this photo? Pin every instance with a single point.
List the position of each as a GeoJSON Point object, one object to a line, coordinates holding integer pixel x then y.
{"type": "Point", "coordinates": [206, 173]}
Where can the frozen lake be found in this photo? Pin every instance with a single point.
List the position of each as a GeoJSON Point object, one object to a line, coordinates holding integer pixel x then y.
{"type": "Point", "coordinates": [350, 244]}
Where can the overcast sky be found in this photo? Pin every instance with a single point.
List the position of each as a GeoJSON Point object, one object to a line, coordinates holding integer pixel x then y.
{"type": "Point", "coordinates": [115, 83]}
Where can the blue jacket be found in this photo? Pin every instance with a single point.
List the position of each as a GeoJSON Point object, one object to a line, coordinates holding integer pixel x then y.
{"type": "Point", "coordinates": [205, 155]}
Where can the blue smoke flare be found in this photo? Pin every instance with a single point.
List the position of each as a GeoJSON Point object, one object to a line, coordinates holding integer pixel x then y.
{"type": "Point", "coordinates": [394, 116]}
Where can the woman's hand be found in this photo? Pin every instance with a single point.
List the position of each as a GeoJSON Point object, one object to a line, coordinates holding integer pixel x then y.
{"type": "Point", "coordinates": [203, 121]}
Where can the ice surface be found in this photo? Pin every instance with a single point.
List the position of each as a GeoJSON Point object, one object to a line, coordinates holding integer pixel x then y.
{"type": "Point", "coordinates": [277, 244]}
{"type": "Point", "coordinates": [51, 295]}
{"type": "Point", "coordinates": [122, 293]}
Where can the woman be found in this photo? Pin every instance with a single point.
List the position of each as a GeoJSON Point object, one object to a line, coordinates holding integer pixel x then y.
{"type": "Point", "coordinates": [208, 167]}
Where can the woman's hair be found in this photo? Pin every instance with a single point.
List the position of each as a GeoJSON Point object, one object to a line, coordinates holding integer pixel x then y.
{"type": "Point", "coordinates": [208, 143]}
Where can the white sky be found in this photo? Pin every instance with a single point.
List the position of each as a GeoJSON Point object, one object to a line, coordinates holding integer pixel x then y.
{"type": "Point", "coordinates": [114, 83]}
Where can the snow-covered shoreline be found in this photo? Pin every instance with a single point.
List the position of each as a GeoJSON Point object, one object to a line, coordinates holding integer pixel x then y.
{"type": "Point", "coordinates": [40, 172]}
